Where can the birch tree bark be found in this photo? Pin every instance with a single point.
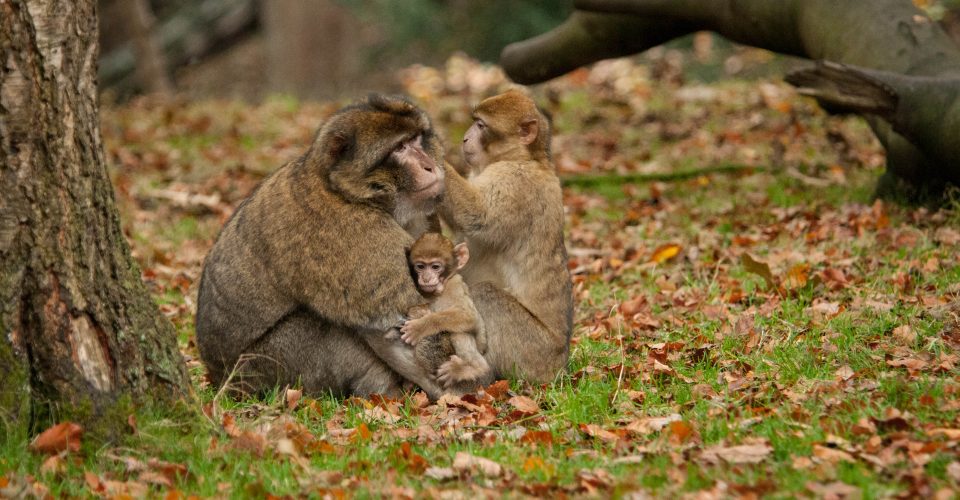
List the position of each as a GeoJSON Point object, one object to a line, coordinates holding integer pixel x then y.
{"type": "Point", "coordinates": [81, 338]}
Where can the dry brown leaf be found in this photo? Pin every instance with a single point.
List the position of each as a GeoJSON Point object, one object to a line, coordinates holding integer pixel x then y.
{"type": "Point", "coordinates": [54, 464]}
{"type": "Point", "coordinates": [797, 277]}
{"type": "Point", "coordinates": [524, 404]}
{"type": "Point", "coordinates": [740, 454]}
{"type": "Point", "coordinates": [953, 470]}
{"type": "Point", "coordinates": [598, 432]}
{"type": "Point", "coordinates": [908, 363]}
{"type": "Point", "coordinates": [648, 425]}
{"type": "Point", "coordinates": [947, 236]}
{"type": "Point", "coordinates": [293, 396]}
{"type": "Point", "coordinates": [844, 372]}
{"type": "Point", "coordinates": [835, 489]}
{"type": "Point", "coordinates": [680, 432]}
{"type": "Point", "coordinates": [465, 462]}
{"type": "Point", "coordinates": [950, 434]}
{"type": "Point", "coordinates": [60, 437]}
{"type": "Point", "coordinates": [831, 455]}
{"type": "Point", "coordinates": [759, 268]}
{"type": "Point", "coordinates": [905, 335]}
{"type": "Point", "coordinates": [440, 473]}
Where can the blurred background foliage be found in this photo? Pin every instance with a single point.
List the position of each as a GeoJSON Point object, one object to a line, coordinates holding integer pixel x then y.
{"type": "Point", "coordinates": [332, 49]}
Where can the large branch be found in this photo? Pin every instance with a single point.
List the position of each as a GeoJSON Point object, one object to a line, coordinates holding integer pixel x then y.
{"type": "Point", "coordinates": [892, 36]}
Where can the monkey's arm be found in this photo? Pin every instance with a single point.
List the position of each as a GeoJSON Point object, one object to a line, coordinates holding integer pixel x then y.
{"type": "Point", "coordinates": [453, 320]}
{"type": "Point", "coordinates": [463, 207]}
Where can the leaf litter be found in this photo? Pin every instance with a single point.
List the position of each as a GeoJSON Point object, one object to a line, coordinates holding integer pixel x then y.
{"type": "Point", "coordinates": [737, 332]}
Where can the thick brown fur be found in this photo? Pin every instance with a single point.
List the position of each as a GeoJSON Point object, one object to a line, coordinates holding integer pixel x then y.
{"type": "Point", "coordinates": [311, 269]}
{"type": "Point", "coordinates": [449, 338]}
{"type": "Point", "coordinates": [510, 212]}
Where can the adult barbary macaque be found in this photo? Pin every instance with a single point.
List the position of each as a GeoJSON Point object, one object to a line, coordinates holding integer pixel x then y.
{"type": "Point", "coordinates": [311, 270]}
{"type": "Point", "coordinates": [510, 212]}
{"type": "Point", "coordinates": [449, 334]}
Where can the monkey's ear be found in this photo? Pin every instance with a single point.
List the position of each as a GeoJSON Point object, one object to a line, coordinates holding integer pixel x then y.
{"type": "Point", "coordinates": [529, 129]}
{"type": "Point", "coordinates": [337, 145]}
{"type": "Point", "coordinates": [462, 254]}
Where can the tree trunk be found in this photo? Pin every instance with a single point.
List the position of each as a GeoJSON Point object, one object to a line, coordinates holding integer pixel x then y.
{"type": "Point", "coordinates": [888, 35]}
{"type": "Point", "coordinates": [151, 66]}
{"type": "Point", "coordinates": [312, 47]}
{"type": "Point", "coordinates": [82, 339]}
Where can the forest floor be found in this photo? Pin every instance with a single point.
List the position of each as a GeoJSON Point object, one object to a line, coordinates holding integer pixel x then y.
{"type": "Point", "coordinates": [749, 320]}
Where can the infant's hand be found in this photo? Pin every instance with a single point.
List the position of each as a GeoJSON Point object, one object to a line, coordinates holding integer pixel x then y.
{"type": "Point", "coordinates": [413, 330]}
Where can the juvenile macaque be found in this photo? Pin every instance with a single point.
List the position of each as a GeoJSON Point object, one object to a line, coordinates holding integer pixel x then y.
{"type": "Point", "coordinates": [510, 212]}
{"type": "Point", "coordinates": [447, 332]}
{"type": "Point", "coordinates": [311, 270]}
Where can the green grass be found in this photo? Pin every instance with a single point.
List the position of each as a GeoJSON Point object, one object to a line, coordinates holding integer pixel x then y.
{"type": "Point", "coordinates": [738, 361]}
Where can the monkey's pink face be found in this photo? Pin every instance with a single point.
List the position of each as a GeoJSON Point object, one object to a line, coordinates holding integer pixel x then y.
{"type": "Point", "coordinates": [424, 176]}
{"type": "Point", "coordinates": [429, 276]}
{"type": "Point", "coordinates": [472, 147]}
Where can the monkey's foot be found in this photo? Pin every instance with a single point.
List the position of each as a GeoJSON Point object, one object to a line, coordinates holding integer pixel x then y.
{"type": "Point", "coordinates": [392, 334]}
{"type": "Point", "coordinates": [456, 370]}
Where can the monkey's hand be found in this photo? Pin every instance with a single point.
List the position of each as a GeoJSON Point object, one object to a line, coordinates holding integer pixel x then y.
{"type": "Point", "coordinates": [416, 330]}
{"type": "Point", "coordinates": [456, 370]}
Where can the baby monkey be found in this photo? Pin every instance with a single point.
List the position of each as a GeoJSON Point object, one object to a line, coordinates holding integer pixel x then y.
{"type": "Point", "coordinates": [447, 332]}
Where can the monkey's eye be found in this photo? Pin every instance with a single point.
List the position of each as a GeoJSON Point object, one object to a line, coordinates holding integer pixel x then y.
{"type": "Point", "coordinates": [400, 147]}
{"type": "Point", "coordinates": [418, 266]}
{"type": "Point", "coordinates": [435, 267]}
{"type": "Point", "coordinates": [376, 186]}
{"type": "Point", "coordinates": [481, 125]}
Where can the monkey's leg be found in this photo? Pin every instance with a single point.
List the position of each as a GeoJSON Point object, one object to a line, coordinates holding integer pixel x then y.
{"type": "Point", "coordinates": [323, 357]}
{"type": "Point", "coordinates": [467, 366]}
{"type": "Point", "coordinates": [518, 344]}
{"type": "Point", "coordinates": [401, 358]}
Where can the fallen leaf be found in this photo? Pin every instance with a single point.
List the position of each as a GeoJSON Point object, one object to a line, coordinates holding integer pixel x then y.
{"type": "Point", "coordinates": [950, 434]}
{"type": "Point", "coordinates": [947, 236]}
{"type": "Point", "coordinates": [797, 277]}
{"type": "Point", "coordinates": [844, 372]}
{"type": "Point", "coordinates": [598, 432]}
{"type": "Point", "coordinates": [664, 253]}
{"type": "Point", "coordinates": [740, 454]}
{"type": "Point", "coordinates": [953, 470]}
{"type": "Point", "coordinates": [497, 390]}
{"type": "Point", "coordinates": [465, 462]}
{"type": "Point", "coordinates": [524, 404]}
{"type": "Point", "coordinates": [60, 437]}
{"type": "Point", "coordinates": [904, 334]}
{"type": "Point", "coordinates": [440, 473]}
{"type": "Point", "coordinates": [293, 396]}
{"type": "Point", "coordinates": [757, 267]}
{"type": "Point", "coordinates": [537, 437]}
{"type": "Point", "coordinates": [52, 465]}
{"type": "Point", "coordinates": [835, 489]}
{"type": "Point", "coordinates": [831, 455]}
{"type": "Point", "coordinates": [680, 431]}
{"type": "Point", "coordinates": [648, 425]}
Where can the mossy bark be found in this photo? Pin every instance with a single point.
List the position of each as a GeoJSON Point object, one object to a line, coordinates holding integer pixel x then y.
{"type": "Point", "coordinates": [82, 339]}
{"type": "Point", "coordinates": [888, 35]}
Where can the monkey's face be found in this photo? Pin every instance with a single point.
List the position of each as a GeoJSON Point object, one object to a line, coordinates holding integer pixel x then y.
{"type": "Point", "coordinates": [416, 172]}
{"type": "Point", "coordinates": [473, 150]}
{"type": "Point", "coordinates": [381, 152]}
{"type": "Point", "coordinates": [430, 275]}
